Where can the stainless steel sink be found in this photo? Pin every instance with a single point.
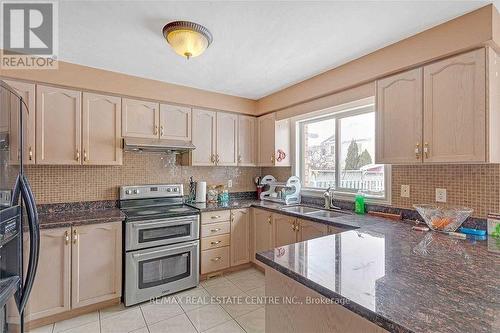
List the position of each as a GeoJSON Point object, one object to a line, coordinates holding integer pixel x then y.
{"type": "Point", "coordinates": [300, 209]}
{"type": "Point", "coordinates": [325, 214]}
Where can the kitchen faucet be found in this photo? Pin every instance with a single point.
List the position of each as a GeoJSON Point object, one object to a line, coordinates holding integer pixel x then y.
{"type": "Point", "coordinates": [329, 196]}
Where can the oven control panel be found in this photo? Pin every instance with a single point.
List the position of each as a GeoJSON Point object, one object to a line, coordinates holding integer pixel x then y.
{"type": "Point", "coordinates": [151, 191]}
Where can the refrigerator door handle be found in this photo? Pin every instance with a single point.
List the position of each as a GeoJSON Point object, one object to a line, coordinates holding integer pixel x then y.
{"type": "Point", "coordinates": [34, 230]}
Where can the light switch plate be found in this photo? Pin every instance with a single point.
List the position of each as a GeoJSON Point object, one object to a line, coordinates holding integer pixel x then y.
{"type": "Point", "coordinates": [440, 195]}
{"type": "Point", "coordinates": [405, 191]}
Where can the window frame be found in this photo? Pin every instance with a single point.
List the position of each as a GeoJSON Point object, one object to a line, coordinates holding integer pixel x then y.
{"type": "Point", "coordinates": [337, 113]}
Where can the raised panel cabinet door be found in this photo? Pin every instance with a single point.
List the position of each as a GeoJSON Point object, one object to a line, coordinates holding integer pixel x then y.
{"type": "Point", "coordinates": [27, 92]}
{"type": "Point", "coordinates": [247, 141]}
{"type": "Point", "coordinates": [240, 236]}
{"type": "Point", "coordinates": [203, 137]}
{"type": "Point", "coordinates": [285, 231]}
{"type": "Point", "coordinates": [96, 263]}
{"type": "Point", "coordinates": [58, 125]}
{"type": "Point", "coordinates": [399, 112]}
{"type": "Point", "coordinates": [310, 230]}
{"type": "Point", "coordinates": [140, 119]}
{"type": "Point", "coordinates": [455, 109]}
{"type": "Point", "coordinates": [226, 139]}
{"type": "Point", "coordinates": [265, 139]}
{"type": "Point", "coordinates": [263, 229]}
{"type": "Point", "coordinates": [51, 290]}
{"type": "Point", "coordinates": [175, 122]}
{"type": "Point", "coordinates": [281, 155]}
{"type": "Point", "coordinates": [101, 129]}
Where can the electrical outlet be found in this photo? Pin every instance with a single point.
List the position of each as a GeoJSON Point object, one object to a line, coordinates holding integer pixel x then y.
{"type": "Point", "coordinates": [405, 191]}
{"type": "Point", "coordinates": [440, 195]}
{"type": "Point", "coordinates": [230, 183]}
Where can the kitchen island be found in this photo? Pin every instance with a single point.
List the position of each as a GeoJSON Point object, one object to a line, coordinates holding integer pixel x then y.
{"type": "Point", "coordinates": [383, 277]}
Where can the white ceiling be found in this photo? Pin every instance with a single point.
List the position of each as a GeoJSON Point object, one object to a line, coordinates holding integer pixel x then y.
{"type": "Point", "coordinates": [258, 48]}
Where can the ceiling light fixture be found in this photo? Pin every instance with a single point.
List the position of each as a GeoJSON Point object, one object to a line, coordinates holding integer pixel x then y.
{"type": "Point", "coordinates": [188, 39]}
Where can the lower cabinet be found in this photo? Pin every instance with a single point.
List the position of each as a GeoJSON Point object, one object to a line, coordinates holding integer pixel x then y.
{"type": "Point", "coordinates": [285, 230]}
{"type": "Point", "coordinates": [310, 230]}
{"type": "Point", "coordinates": [240, 240]}
{"type": "Point", "coordinates": [262, 231]}
{"type": "Point", "coordinates": [78, 266]}
{"type": "Point", "coordinates": [215, 241]}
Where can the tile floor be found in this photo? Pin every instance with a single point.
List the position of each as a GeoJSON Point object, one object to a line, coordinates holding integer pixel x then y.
{"type": "Point", "coordinates": [190, 311]}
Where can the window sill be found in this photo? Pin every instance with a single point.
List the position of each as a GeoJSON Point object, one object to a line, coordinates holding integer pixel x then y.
{"type": "Point", "coordinates": [345, 196]}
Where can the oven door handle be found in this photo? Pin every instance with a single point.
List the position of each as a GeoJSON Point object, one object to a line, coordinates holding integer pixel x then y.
{"type": "Point", "coordinates": [166, 223]}
{"type": "Point", "coordinates": [173, 248]}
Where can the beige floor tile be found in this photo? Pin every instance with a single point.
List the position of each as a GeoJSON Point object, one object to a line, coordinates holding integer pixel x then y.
{"type": "Point", "coordinates": [126, 321]}
{"type": "Point", "coordinates": [237, 310]}
{"type": "Point", "coordinates": [226, 289]}
{"type": "Point", "coordinates": [193, 298]}
{"type": "Point", "coordinates": [251, 282]}
{"type": "Point", "coordinates": [253, 322]}
{"type": "Point", "coordinates": [75, 322]}
{"type": "Point", "coordinates": [207, 317]}
{"type": "Point", "coordinates": [141, 330]}
{"type": "Point", "coordinates": [178, 324]}
{"type": "Point", "coordinates": [43, 329]}
{"type": "Point", "coordinates": [228, 327]}
{"type": "Point", "coordinates": [240, 274]}
{"type": "Point", "coordinates": [213, 281]}
{"type": "Point", "coordinates": [257, 292]}
{"type": "Point", "coordinates": [165, 308]}
{"type": "Point", "coordinates": [93, 327]}
{"type": "Point", "coordinates": [115, 309]}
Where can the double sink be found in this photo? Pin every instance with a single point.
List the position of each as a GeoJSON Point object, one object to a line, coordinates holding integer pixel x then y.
{"type": "Point", "coordinates": [314, 212]}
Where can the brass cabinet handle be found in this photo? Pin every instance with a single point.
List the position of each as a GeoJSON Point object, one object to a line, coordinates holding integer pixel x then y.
{"type": "Point", "coordinates": [426, 150]}
{"type": "Point", "coordinates": [269, 219]}
{"type": "Point", "coordinates": [84, 155]}
{"type": "Point", "coordinates": [66, 237]}
{"type": "Point", "coordinates": [215, 230]}
{"type": "Point", "coordinates": [417, 151]}
{"type": "Point", "coordinates": [272, 158]}
{"type": "Point", "coordinates": [213, 217]}
{"type": "Point", "coordinates": [217, 159]}
{"type": "Point", "coordinates": [216, 242]}
{"type": "Point", "coordinates": [239, 158]}
{"type": "Point", "coordinates": [75, 236]}
{"type": "Point", "coordinates": [30, 154]}
{"type": "Point", "coordinates": [216, 258]}
{"type": "Point", "coordinates": [77, 154]}
{"type": "Point", "coordinates": [155, 131]}
{"type": "Point", "coordinates": [161, 130]}
{"type": "Point", "coordinates": [212, 158]}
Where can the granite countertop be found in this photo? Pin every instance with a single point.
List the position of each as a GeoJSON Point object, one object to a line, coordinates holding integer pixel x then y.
{"type": "Point", "coordinates": [79, 217]}
{"type": "Point", "coordinates": [400, 279]}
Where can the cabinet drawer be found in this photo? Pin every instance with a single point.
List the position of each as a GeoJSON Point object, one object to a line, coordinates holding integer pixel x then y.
{"type": "Point", "coordinates": [215, 229]}
{"type": "Point", "coordinates": [215, 242]}
{"type": "Point", "coordinates": [216, 216]}
{"type": "Point", "coordinates": [214, 260]}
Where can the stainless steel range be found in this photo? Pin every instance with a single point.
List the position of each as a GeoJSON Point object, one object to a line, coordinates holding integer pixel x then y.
{"type": "Point", "coordinates": [161, 242]}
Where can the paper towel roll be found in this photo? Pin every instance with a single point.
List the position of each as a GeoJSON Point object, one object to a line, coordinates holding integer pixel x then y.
{"type": "Point", "coordinates": [201, 191]}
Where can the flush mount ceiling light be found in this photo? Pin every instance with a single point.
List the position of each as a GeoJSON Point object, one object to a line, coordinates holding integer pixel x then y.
{"type": "Point", "coordinates": [188, 39]}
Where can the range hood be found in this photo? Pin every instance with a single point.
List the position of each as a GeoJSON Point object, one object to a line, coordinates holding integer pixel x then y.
{"type": "Point", "coordinates": [156, 145]}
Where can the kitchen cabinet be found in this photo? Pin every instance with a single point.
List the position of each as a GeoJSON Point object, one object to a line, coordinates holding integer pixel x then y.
{"type": "Point", "coordinates": [96, 263]}
{"type": "Point", "coordinates": [247, 141]}
{"type": "Point", "coordinates": [273, 141]}
{"type": "Point", "coordinates": [203, 138]}
{"type": "Point", "coordinates": [51, 290]}
{"type": "Point", "coordinates": [399, 118]}
{"type": "Point", "coordinates": [175, 122]}
{"type": "Point", "coordinates": [240, 240]}
{"type": "Point", "coordinates": [262, 232]}
{"type": "Point", "coordinates": [101, 130]}
{"type": "Point", "coordinates": [226, 139]}
{"type": "Point", "coordinates": [140, 119]}
{"type": "Point", "coordinates": [285, 230]}
{"type": "Point", "coordinates": [215, 241]}
{"type": "Point", "coordinates": [27, 92]}
{"type": "Point", "coordinates": [58, 125]}
{"type": "Point", "coordinates": [310, 230]}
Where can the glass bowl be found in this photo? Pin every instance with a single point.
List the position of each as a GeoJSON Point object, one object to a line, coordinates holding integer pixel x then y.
{"type": "Point", "coordinates": [443, 218]}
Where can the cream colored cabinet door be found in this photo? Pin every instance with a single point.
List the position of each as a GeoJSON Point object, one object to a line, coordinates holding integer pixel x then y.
{"type": "Point", "coordinates": [265, 139]}
{"type": "Point", "coordinates": [51, 290]}
{"type": "Point", "coordinates": [455, 109]}
{"type": "Point", "coordinates": [226, 139]}
{"type": "Point", "coordinates": [310, 230]}
{"type": "Point", "coordinates": [27, 92]}
{"type": "Point", "coordinates": [284, 230]}
{"type": "Point", "coordinates": [58, 125]}
{"type": "Point", "coordinates": [246, 140]}
{"type": "Point", "coordinates": [240, 241]}
{"type": "Point", "coordinates": [263, 230]}
{"type": "Point", "coordinates": [399, 111]}
{"type": "Point", "coordinates": [175, 122]}
{"type": "Point", "coordinates": [140, 119]}
{"type": "Point", "coordinates": [96, 263]}
{"type": "Point", "coordinates": [101, 130]}
{"type": "Point", "coordinates": [281, 154]}
{"type": "Point", "coordinates": [203, 137]}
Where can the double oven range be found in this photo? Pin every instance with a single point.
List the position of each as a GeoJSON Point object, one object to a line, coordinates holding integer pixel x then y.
{"type": "Point", "coordinates": [161, 240]}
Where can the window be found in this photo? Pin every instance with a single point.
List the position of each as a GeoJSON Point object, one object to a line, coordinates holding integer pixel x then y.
{"type": "Point", "coordinates": [338, 150]}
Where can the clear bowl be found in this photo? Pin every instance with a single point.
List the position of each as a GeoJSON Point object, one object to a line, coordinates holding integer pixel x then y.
{"type": "Point", "coordinates": [443, 218]}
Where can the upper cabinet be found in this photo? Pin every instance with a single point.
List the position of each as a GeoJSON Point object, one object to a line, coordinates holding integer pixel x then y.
{"type": "Point", "coordinates": [247, 141]}
{"type": "Point", "coordinates": [203, 137]}
{"type": "Point", "coordinates": [439, 113]}
{"type": "Point", "coordinates": [273, 141]}
{"type": "Point", "coordinates": [175, 122]}
{"type": "Point", "coordinates": [226, 142]}
{"type": "Point", "coordinates": [101, 128]}
{"type": "Point", "coordinates": [58, 125]}
{"type": "Point", "coordinates": [27, 92]}
{"type": "Point", "coordinates": [140, 119]}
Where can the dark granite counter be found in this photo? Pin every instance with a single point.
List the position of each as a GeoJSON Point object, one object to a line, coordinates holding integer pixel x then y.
{"type": "Point", "coordinates": [400, 279]}
{"type": "Point", "coordinates": [82, 217]}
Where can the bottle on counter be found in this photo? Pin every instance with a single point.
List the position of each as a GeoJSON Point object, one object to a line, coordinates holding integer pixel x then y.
{"type": "Point", "coordinates": [359, 203]}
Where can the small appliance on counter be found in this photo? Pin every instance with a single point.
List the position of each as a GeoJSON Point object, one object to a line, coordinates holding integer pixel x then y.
{"type": "Point", "coordinates": [201, 192]}
{"type": "Point", "coordinates": [287, 193]}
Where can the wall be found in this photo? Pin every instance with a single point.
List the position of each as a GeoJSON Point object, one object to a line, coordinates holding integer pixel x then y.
{"type": "Point", "coordinates": [53, 184]}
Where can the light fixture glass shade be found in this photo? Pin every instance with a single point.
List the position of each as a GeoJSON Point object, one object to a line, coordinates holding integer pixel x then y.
{"type": "Point", "coordinates": [188, 39]}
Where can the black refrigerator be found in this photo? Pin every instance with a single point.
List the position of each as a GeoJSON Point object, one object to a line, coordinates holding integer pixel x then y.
{"type": "Point", "coordinates": [18, 213]}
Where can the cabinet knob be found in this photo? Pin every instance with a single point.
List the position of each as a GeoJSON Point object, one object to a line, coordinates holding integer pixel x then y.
{"type": "Point", "coordinates": [417, 151]}
{"type": "Point", "coordinates": [273, 158]}
{"type": "Point", "coordinates": [161, 130]}
{"type": "Point", "coordinates": [77, 154]}
{"type": "Point", "coordinates": [217, 159]}
{"type": "Point", "coordinates": [212, 158]}
{"type": "Point", "coordinates": [155, 130]}
{"type": "Point", "coordinates": [239, 158]}
{"type": "Point", "coordinates": [75, 236]}
{"type": "Point", "coordinates": [215, 243]}
{"type": "Point", "coordinates": [84, 155]}
{"type": "Point", "coordinates": [269, 219]}
{"type": "Point", "coordinates": [426, 150]}
{"type": "Point", "coordinates": [30, 154]}
{"type": "Point", "coordinates": [216, 258]}
{"type": "Point", "coordinates": [66, 237]}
